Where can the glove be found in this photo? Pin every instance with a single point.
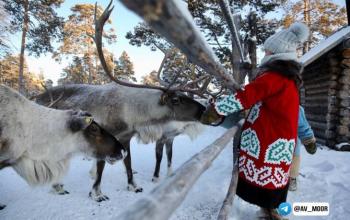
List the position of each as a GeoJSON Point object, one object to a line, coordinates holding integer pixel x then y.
{"type": "Point", "coordinates": [310, 145]}
{"type": "Point", "coordinates": [210, 116]}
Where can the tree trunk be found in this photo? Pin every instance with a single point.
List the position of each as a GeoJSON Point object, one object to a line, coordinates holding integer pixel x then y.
{"type": "Point", "coordinates": [307, 21]}
{"type": "Point", "coordinates": [252, 45]}
{"type": "Point", "coordinates": [21, 85]}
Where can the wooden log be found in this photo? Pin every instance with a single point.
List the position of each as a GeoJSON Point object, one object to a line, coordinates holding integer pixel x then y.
{"type": "Point", "coordinates": [342, 94]}
{"type": "Point", "coordinates": [324, 84]}
{"type": "Point", "coordinates": [334, 70]}
{"type": "Point", "coordinates": [344, 79]}
{"type": "Point", "coordinates": [325, 91]}
{"type": "Point", "coordinates": [332, 117]}
{"type": "Point", "coordinates": [318, 125]}
{"type": "Point", "coordinates": [344, 121]}
{"type": "Point", "coordinates": [345, 44]}
{"type": "Point", "coordinates": [318, 110]}
{"type": "Point", "coordinates": [321, 78]}
{"type": "Point", "coordinates": [162, 201]}
{"type": "Point", "coordinates": [332, 92]}
{"type": "Point", "coordinates": [342, 139]}
{"type": "Point", "coordinates": [344, 103]}
{"type": "Point", "coordinates": [322, 98]}
{"type": "Point", "coordinates": [320, 104]}
{"type": "Point", "coordinates": [346, 53]}
{"type": "Point", "coordinates": [332, 54]}
{"type": "Point", "coordinates": [313, 74]}
{"type": "Point", "coordinates": [334, 76]}
{"type": "Point", "coordinates": [343, 112]}
{"type": "Point", "coordinates": [331, 143]}
{"type": "Point", "coordinates": [345, 63]}
{"type": "Point", "coordinates": [315, 117]}
{"type": "Point", "coordinates": [343, 130]}
{"type": "Point", "coordinates": [329, 134]}
{"type": "Point", "coordinates": [320, 134]}
{"type": "Point", "coordinates": [228, 202]}
{"type": "Point", "coordinates": [345, 72]}
{"type": "Point", "coordinates": [334, 61]}
{"type": "Point", "coordinates": [321, 141]}
{"type": "Point", "coordinates": [175, 23]}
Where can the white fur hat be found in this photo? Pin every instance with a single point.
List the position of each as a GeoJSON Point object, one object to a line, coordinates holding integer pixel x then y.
{"type": "Point", "coordinates": [287, 40]}
{"type": "Point", "coordinates": [284, 44]}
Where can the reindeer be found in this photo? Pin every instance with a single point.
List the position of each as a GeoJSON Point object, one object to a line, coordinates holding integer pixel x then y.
{"type": "Point", "coordinates": [38, 142]}
{"type": "Point", "coordinates": [127, 109]}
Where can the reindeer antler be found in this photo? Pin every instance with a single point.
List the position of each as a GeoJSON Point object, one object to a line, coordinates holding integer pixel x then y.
{"type": "Point", "coordinates": [99, 24]}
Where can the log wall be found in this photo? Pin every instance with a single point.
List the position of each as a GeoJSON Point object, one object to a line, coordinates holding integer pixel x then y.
{"type": "Point", "coordinates": [325, 95]}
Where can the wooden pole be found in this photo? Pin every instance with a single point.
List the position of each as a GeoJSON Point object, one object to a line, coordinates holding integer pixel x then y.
{"type": "Point", "coordinates": [228, 202]}
{"type": "Point", "coordinates": [163, 200]}
{"type": "Point", "coordinates": [172, 19]}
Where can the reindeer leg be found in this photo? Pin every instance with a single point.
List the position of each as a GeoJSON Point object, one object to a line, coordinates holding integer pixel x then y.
{"type": "Point", "coordinates": [93, 171]}
{"type": "Point", "coordinates": [169, 153]}
{"type": "Point", "coordinates": [127, 162]}
{"type": "Point", "coordinates": [159, 155]}
{"type": "Point", "coordinates": [96, 193]}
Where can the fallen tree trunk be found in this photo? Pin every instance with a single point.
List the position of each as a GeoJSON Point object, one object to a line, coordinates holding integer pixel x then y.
{"type": "Point", "coordinates": [163, 200]}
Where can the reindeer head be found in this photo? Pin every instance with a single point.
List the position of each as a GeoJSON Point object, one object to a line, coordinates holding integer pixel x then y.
{"type": "Point", "coordinates": [183, 107]}
{"type": "Point", "coordinates": [101, 144]}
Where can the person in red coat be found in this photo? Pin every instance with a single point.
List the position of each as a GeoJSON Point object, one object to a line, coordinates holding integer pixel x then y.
{"type": "Point", "coordinates": [269, 133]}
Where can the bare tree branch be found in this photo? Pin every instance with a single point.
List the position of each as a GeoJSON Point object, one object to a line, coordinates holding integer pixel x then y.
{"type": "Point", "coordinates": [225, 8]}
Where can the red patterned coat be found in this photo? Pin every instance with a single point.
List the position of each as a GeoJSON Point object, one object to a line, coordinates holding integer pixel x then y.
{"type": "Point", "coordinates": [268, 136]}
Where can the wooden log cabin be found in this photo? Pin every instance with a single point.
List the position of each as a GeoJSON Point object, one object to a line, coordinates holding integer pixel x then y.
{"type": "Point", "coordinates": [325, 93]}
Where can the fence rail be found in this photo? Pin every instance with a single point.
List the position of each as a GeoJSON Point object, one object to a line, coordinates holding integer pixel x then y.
{"type": "Point", "coordinates": [164, 199]}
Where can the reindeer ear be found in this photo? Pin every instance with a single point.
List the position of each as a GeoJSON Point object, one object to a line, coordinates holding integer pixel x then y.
{"type": "Point", "coordinates": [80, 121]}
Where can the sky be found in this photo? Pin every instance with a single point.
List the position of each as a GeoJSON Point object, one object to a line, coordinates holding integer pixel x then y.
{"type": "Point", "coordinates": [143, 58]}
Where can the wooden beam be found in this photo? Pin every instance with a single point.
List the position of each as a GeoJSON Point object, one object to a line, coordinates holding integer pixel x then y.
{"type": "Point", "coordinates": [172, 19]}
{"type": "Point", "coordinates": [228, 202]}
{"type": "Point", "coordinates": [162, 201]}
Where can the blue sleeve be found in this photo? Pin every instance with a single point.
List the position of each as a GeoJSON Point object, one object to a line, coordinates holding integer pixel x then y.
{"type": "Point", "coordinates": [304, 129]}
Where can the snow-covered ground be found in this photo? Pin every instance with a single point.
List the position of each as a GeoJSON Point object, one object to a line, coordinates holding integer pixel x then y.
{"type": "Point", "coordinates": [325, 177]}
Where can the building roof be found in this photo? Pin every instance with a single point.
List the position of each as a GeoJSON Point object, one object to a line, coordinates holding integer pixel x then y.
{"type": "Point", "coordinates": [325, 45]}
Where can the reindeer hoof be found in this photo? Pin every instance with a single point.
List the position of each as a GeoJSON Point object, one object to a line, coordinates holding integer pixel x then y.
{"type": "Point", "coordinates": [59, 190]}
{"type": "Point", "coordinates": [64, 192]}
{"type": "Point", "coordinates": [155, 179]}
{"type": "Point", "coordinates": [134, 188]}
{"type": "Point", "coordinates": [98, 198]}
{"type": "Point", "coordinates": [2, 206]}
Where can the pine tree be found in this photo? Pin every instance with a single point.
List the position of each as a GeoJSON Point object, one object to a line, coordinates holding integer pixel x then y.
{"type": "Point", "coordinates": [78, 41]}
{"type": "Point", "coordinates": [256, 26]}
{"type": "Point", "coordinates": [150, 79]}
{"type": "Point", "coordinates": [4, 31]}
{"type": "Point", "coordinates": [75, 73]}
{"type": "Point", "coordinates": [322, 16]}
{"type": "Point", "coordinates": [124, 68]}
{"type": "Point", "coordinates": [39, 24]}
{"type": "Point", "coordinates": [9, 75]}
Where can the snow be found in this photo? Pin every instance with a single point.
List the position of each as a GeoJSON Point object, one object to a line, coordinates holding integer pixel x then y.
{"type": "Point", "coordinates": [325, 45]}
{"type": "Point", "coordinates": [324, 178]}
